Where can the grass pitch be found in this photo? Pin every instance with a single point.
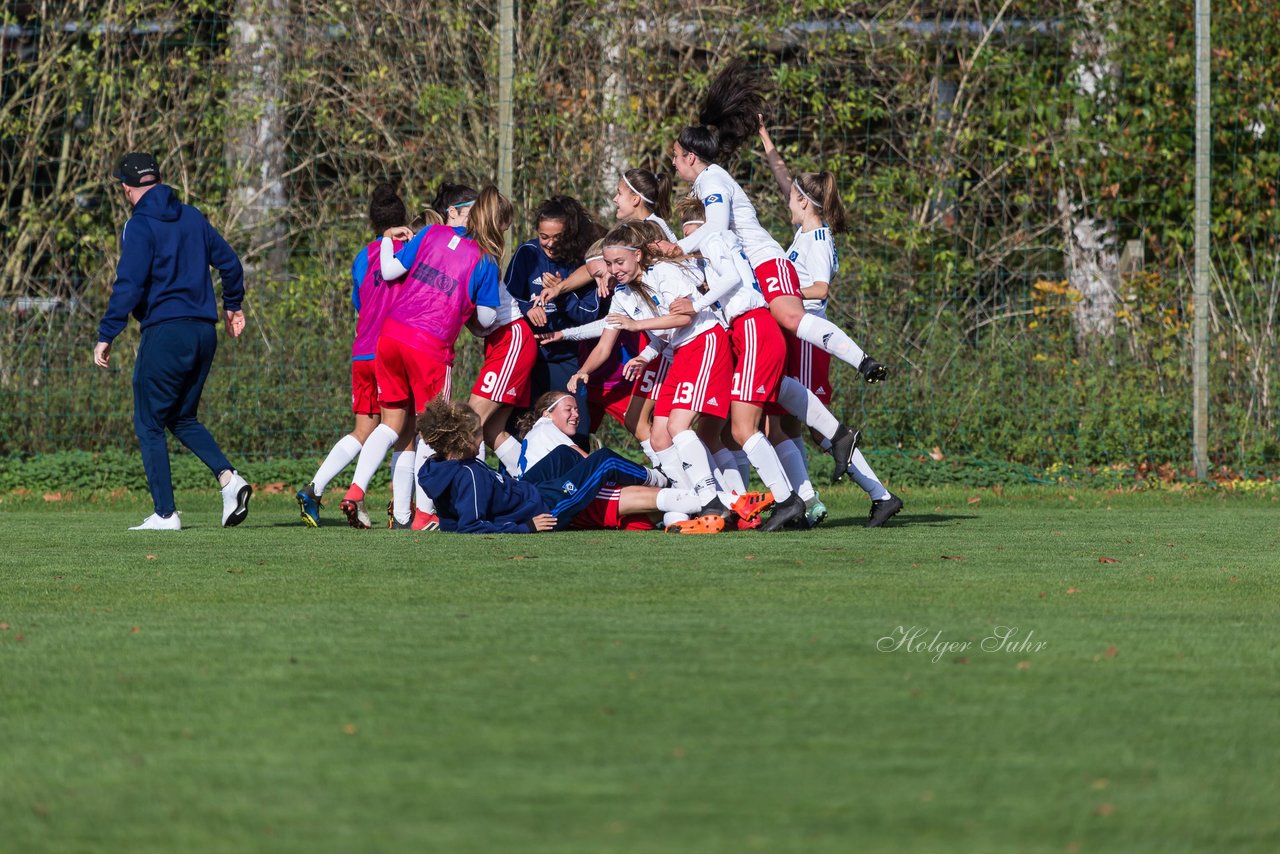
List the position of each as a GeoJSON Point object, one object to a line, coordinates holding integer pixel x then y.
{"type": "Point", "coordinates": [277, 688]}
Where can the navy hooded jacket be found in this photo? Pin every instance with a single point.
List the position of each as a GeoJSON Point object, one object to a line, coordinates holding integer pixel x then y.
{"type": "Point", "coordinates": [472, 498]}
{"type": "Point", "coordinates": [166, 251]}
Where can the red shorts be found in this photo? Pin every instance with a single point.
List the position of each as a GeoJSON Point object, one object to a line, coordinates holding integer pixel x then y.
{"type": "Point", "coordinates": [613, 402]}
{"type": "Point", "coordinates": [407, 377]}
{"type": "Point", "coordinates": [602, 513]}
{"type": "Point", "coordinates": [364, 388]}
{"type": "Point", "coordinates": [649, 382]}
{"type": "Point", "coordinates": [778, 278]}
{"type": "Point", "coordinates": [759, 356]}
{"type": "Point", "coordinates": [701, 376]}
{"type": "Point", "coordinates": [811, 366]}
{"type": "Point", "coordinates": [509, 354]}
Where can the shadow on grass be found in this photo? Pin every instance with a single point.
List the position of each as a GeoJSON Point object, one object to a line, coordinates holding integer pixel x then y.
{"type": "Point", "coordinates": [902, 520]}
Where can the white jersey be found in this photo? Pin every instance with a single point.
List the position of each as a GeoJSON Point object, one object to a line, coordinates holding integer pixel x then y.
{"type": "Point", "coordinates": [543, 438]}
{"type": "Point", "coordinates": [814, 255]}
{"type": "Point", "coordinates": [668, 281]}
{"type": "Point", "coordinates": [662, 224]}
{"type": "Point", "coordinates": [508, 311]}
{"type": "Point", "coordinates": [729, 209]}
{"type": "Point", "coordinates": [731, 283]}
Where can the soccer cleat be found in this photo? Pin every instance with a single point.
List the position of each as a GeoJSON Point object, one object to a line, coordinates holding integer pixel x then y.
{"type": "Point", "coordinates": [156, 522]}
{"type": "Point", "coordinates": [792, 508]}
{"type": "Point", "coordinates": [235, 500]}
{"type": "Point", "coordinates": [309, 505]}
{"type": "Point", "coordinates": [872, 371]}
{"type": "Point", "coordinates": [715, 507]}
{"type": "Point", "coordinates": [883, 510]}
{"type": "Point", "coordinates": [702, 525]}
{"type": "Point", "coordinates": [357, 516]}
{"type": "Point", "coordinates": [843, 444]}
{"type": "Point", "coordinates": [749, 506]}
{"type": "Point", "coordinates": [422, 521]}
{"type": "Point", "coordinates": [814, 512]}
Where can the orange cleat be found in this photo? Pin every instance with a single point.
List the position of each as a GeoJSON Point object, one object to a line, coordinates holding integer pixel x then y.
{"type": "Point", "coordinates": [749, 506]}
{"type": "Point", "coordinates": [701, 525]}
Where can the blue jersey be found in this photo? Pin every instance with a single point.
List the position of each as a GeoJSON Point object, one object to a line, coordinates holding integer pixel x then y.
{"type": "Point", "coordinates": [576, 308]}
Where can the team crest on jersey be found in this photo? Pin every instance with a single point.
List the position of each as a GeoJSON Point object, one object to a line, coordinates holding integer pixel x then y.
{"type": "Point", "coordinates": [568, 487]}
{"type": "Point", "coordinates": [713, 199]}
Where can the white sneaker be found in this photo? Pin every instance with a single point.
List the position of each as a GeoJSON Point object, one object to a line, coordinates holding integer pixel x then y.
{"type": "Point", "coordinates": [156, 522]}
{"type": "Point", "coordinates": [235, 500]}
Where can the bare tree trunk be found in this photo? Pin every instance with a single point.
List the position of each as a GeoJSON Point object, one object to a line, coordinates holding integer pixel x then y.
{"type": "Point", "coordinates": [1090, 243]}
{"type": "Point", "coordinates": [255, 146]}
{"type": "Point", "coordinates": [614, 103]}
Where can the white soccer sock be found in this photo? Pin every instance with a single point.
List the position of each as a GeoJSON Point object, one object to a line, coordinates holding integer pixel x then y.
{"type": "Point", "coordinates": [727, 471]}
{"type": "Point", "coordinates": [375, 448]}
{"type": "Point", "coordinates": [825, 335]}
{"type": "Point", "coordinates": [765, 460]}
{"type": "Point", "coordinates": [649, 452]}
{"type": "Point", "coordinates": [671, 517]}
{"type": "Point", "coordinates": [422, 501]}
{"type": "Point", "coordinates": [806, 406]}
{"type": "Point", "coordinates": [791, 455]}
{"type": "Point", "coordinates": [509, 454]}
{"type": "Point", "coordinates": [743, 464]}
{"type": "Point", "coordinates": [860, 471]}
{"type": "Point", "coordinates": [697, 462]}
{"type": "Point", "coordinates": [346, 450]}
{"type": "Point", "coordinates": [669, 458]}
{"type": "Point", "coordinates": [678, 501]}
{"type": "Point", "coordinates": [402, 485]}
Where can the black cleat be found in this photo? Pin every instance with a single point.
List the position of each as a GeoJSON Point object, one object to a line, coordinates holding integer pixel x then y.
{"type": "Point", "coordinates": [715, 507]}
{"type": "Point", "coordinates": [843, 444]}
{"type": "Point", "coordinates": [791, 509]}
{"type": "Point", "coordinates": [882, 511]}
{"type": "Point", "coordinates": [871, 370]}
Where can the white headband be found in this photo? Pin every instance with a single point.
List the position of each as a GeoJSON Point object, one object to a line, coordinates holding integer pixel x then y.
{"type": "Point", "coordinates": [622, 246]}
{"type": "Point", "coordinates": [594, 258]}
{"type": "Point", "coordinates": [647, 200]}
{"type": "Point", "coordinates": [694, 222]}
{"type": "Point", "coordinates": [554, 402]}
{"type": "Point", "coordinates": [801, 191]}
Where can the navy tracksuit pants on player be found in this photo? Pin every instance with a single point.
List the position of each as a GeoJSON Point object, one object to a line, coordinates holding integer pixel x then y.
{"type": "Point", "coordinates": [173, 362]}
{"type": "Point", "coordinates": [569, 482]}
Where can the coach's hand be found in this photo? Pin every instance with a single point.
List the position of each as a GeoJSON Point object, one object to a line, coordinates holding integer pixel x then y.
{"type": "Point", "coordinates": [235, 323]}
{"type": "Point", "coordinates": [102, 354]}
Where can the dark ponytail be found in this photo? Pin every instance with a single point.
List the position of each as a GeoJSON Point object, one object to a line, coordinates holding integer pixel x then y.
{"type": "Point", "coordinates": [730, 112]}
{"type": "Point", "coordinates": [386, 209]}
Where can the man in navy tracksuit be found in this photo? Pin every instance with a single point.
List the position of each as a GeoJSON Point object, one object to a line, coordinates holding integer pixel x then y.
{"type": "Point", "coordinates": [163, 280]}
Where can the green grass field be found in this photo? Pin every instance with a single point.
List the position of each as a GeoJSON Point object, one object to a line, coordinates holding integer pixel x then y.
{"type": "Point", "coordinates": [276, 688]}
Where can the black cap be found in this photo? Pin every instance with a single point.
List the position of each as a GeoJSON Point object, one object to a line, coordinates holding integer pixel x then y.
{"type": "Point", "coordinates": [137, 170]}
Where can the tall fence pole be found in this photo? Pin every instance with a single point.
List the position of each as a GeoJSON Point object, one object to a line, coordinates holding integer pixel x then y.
{"type": "Point", "coordinates": [1200, 370]}
{"type": "Point", "coordinates": [506, 77]}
